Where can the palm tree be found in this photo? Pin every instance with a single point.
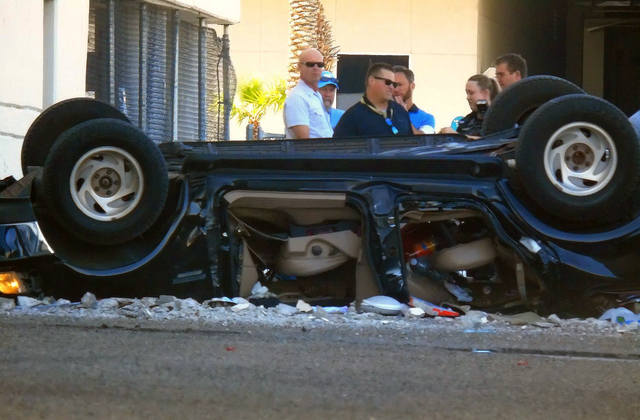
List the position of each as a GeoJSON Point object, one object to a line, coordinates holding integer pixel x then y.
{"type": "Point", "coordinates": [255, 98]}
{"type": "Point", "coordinates": [309, 28]}
{"type": "Point", "coordinates": [324, 40]}
{"type": "Point", "coordinates": [303, 16]}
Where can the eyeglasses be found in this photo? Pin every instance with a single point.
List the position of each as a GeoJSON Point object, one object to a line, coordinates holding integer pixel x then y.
{"type": "Point", "coordinates": [310, 64]}
{"type": "Point", "coordinates": [329, 79]}
{"type": "Point", "coordinates": [386, 81]}
{"type": "Point", "coordinates": [390, 124]}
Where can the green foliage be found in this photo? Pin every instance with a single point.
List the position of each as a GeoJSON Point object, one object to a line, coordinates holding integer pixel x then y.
{"type": "Point", "coordinates": [255, 98]}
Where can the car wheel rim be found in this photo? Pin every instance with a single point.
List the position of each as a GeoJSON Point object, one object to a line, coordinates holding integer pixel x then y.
{"type": "Point", "coordinates": [580, 159]}
{"type": "Point", "coordinates": [106, 183]}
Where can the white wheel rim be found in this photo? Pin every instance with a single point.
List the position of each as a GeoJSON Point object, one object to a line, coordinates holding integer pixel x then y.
{"type": "Point", "coordinates": [106, 183]}
{"type": "Point", "coordinates": [580, 159]}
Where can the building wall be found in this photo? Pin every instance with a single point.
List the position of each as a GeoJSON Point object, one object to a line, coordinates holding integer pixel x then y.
{"type": "Point", "coordinates": [440, 37]}
{"type": "Point", "coordinates": [534, 29]}
{"type": "Point", "coordinates": [44, 52]}
{"type": "Point", "coordinates": [21, 37]}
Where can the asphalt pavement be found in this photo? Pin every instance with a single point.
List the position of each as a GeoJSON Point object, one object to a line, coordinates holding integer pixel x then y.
{"type": "Point", "coordinates": [61, 368]}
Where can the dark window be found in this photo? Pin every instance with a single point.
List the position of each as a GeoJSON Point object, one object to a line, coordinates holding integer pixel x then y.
{"type": "Point", "coordinates": [352, 69]}
{"type": "Point", "coordinates": [138, 57]}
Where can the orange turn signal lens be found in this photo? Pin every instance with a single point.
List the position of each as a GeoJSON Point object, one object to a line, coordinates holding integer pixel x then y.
{"type": "Point", "coordinates": [10, 284]}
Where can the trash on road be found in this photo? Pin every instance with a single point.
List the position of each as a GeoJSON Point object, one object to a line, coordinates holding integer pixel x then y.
{"type": "Point", "coordinates": [620, 315]}
{"type": "Point", "coordinates": [431, 309]}
{"type": "Point", "coordinates": [525, 318]}
{"type": "Point", "coordinates": [383, 305]}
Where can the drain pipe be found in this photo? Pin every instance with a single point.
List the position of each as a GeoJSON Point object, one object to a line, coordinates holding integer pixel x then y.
{"type": "Point", "coordinates": [226, 90]}
{"type": "Point", "coordinates": [202, 81]}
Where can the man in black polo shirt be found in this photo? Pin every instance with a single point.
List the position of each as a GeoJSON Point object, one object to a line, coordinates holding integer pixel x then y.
{"type": "Point", "coordinates": [376, 114]}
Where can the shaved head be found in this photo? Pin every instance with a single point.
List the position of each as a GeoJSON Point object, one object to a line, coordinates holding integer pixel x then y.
{"type": "Point", "coordinates": [311, 75]}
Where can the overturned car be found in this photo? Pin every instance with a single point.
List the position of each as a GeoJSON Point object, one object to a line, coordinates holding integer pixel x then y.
{"type": "Point", "coordinates": [541, 212]}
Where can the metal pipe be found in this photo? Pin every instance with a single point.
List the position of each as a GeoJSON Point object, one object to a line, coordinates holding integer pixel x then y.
{"type": "Point", "coordinates": [202, 80]}
{"type": "Point", "coordinates": [174, 45]}
{"type": "Point", "coordinates": [226, 90]}
{"type": "Point", "coordinates": [142, 95]}
{"type": "Point", "coordinates": [111, 47]}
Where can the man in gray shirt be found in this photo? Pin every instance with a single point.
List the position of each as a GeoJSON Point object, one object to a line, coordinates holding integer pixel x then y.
{"type": "Point", "coordinates": [304, 114]}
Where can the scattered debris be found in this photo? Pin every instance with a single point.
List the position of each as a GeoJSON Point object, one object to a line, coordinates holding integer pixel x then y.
{"type": "Point", "coordinates": [461, 294]}
{"type": "Point", "coordinates": [383, 305]}
{"type": "Point", "coordinates": [285, 309]}
{"type": "Point", "coordinates": [525, 318]}
{"type": "Point", "coordinates": [7, 304]}
{"type": "Point", "coordinates": [431, 309]}
{"type": "Point", "coordinates": [303, 306]}
{"type": "Point", "coordinates": [108, 304]}
{"type": "Point", "coordinates": [89, 300]}
{"type": "Point", "coordinates": [242, 306]}
{"type": "Point", "coordinates": [167, 299]}
{"type": "Point", "coordinates": [415, 313]}
{"type": "Point", "coordinates": [620, 315]}
{"type": "Point", "coordinates": [25, 302]}
{"type": "Point", "coordinates": [373, 313]}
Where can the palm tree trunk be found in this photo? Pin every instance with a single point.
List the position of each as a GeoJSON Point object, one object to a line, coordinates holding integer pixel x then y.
{"type": "Point", "coordinates": [303, 18]}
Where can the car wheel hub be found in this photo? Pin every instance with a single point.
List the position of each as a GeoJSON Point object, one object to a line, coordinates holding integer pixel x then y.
{"type": "Point", "coordinates": [580, 159]}
{"type": "Point", "coordinates": [106, 183]}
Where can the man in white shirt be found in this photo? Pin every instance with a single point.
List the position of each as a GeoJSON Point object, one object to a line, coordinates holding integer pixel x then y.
{"type": "Point", "coordinates": [304, 114]}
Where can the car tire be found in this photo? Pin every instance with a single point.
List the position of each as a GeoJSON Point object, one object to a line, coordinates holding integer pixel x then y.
{"type": "Point", "coordinates": [105, 181]}
{"type": "Point", "coordinates": [579, 159]}
{"type": "Point", "coordinates": [517, 102]}
{"type": "Point", "coordinates": [57, 119]}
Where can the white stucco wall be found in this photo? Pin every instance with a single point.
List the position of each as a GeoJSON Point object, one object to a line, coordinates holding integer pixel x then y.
{"type": "Point", "coordinates": [66, 28]}
{"type": "Point", "coordinates": [21, 40]}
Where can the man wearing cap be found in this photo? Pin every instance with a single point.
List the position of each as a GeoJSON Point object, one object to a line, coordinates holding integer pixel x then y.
{"type": "Point", "coordinates": [403, 94]}
{"type": "Point", "coordinates": [304, 113]}
{"type": "Point", "coordinates": [376, 114]}
{"type": "Point", "coordinates": [327, 86]}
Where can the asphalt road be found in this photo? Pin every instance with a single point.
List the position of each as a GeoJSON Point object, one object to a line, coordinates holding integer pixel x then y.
{"type": "Point", "coordinates": [66, 369]}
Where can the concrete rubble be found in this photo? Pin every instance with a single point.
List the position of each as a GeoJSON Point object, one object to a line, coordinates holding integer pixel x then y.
{"type": "Point", "coordinates": [227, 311]}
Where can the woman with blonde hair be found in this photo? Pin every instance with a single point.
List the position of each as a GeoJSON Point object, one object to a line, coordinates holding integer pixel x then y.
{"type": "Point", "coordinates": [481, 90]}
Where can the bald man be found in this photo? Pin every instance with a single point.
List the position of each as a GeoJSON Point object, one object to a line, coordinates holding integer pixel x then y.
{"type": "Point", "coordinates": [304, 114]}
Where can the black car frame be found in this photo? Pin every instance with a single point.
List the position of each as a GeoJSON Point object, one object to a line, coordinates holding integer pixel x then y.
{"type": "Point", "coordinates": [541, 212]}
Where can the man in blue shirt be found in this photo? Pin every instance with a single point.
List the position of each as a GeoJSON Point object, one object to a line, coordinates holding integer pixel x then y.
{"type": "Point", "coordinates": [327, 87]}
{"type": "Point", "coordinates": [376, 114]}
{"type": "Point", "coordinates": [403, 94]}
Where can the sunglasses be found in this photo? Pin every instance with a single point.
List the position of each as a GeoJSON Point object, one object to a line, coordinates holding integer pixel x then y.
{"type": "Point", "coordinates": [329, 79]}
{"type": "Point", "coordinates": [310, 64]}
{"type": "Point", "coordinates": [390, 123]}
{"type": "Point", "coordinates": [386, 81]}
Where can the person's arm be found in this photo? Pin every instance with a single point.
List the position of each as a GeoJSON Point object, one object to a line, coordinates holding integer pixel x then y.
{"type": "Point", "coordinates": [300, 131]}
{"type": "Point", "coordinates": [416, 131]}
{"type": "Point", "coordinates": [447, 130]}
{"type": "Point", "coordinates": [345, 127]}
{"type": "Point", "coordinates": [296, 116]}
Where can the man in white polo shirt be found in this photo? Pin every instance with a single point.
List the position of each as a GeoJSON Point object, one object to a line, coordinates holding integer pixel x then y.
{"type": "Point", "coordinates": [304, 114]}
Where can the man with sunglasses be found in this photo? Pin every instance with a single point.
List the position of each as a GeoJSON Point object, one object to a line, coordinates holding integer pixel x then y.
{"type": "Point", "coordinates": [377, 114]}
{"type": "Point", "coordinates": [403, 94]}
{"type": "Point", "coordinates": [304, 113]}
{"type": "Point", "coordinates": [328, 85]}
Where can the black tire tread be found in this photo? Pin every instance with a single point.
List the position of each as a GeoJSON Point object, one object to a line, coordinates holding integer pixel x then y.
{"type": "Point", "coordinates": [57, 119]}
{"type": "Point", "coordinates": [607, 206]}
{"type": "Point", "coordinates": [524, 96]}
{"type": "Point", "coordinates": [82, 138]}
